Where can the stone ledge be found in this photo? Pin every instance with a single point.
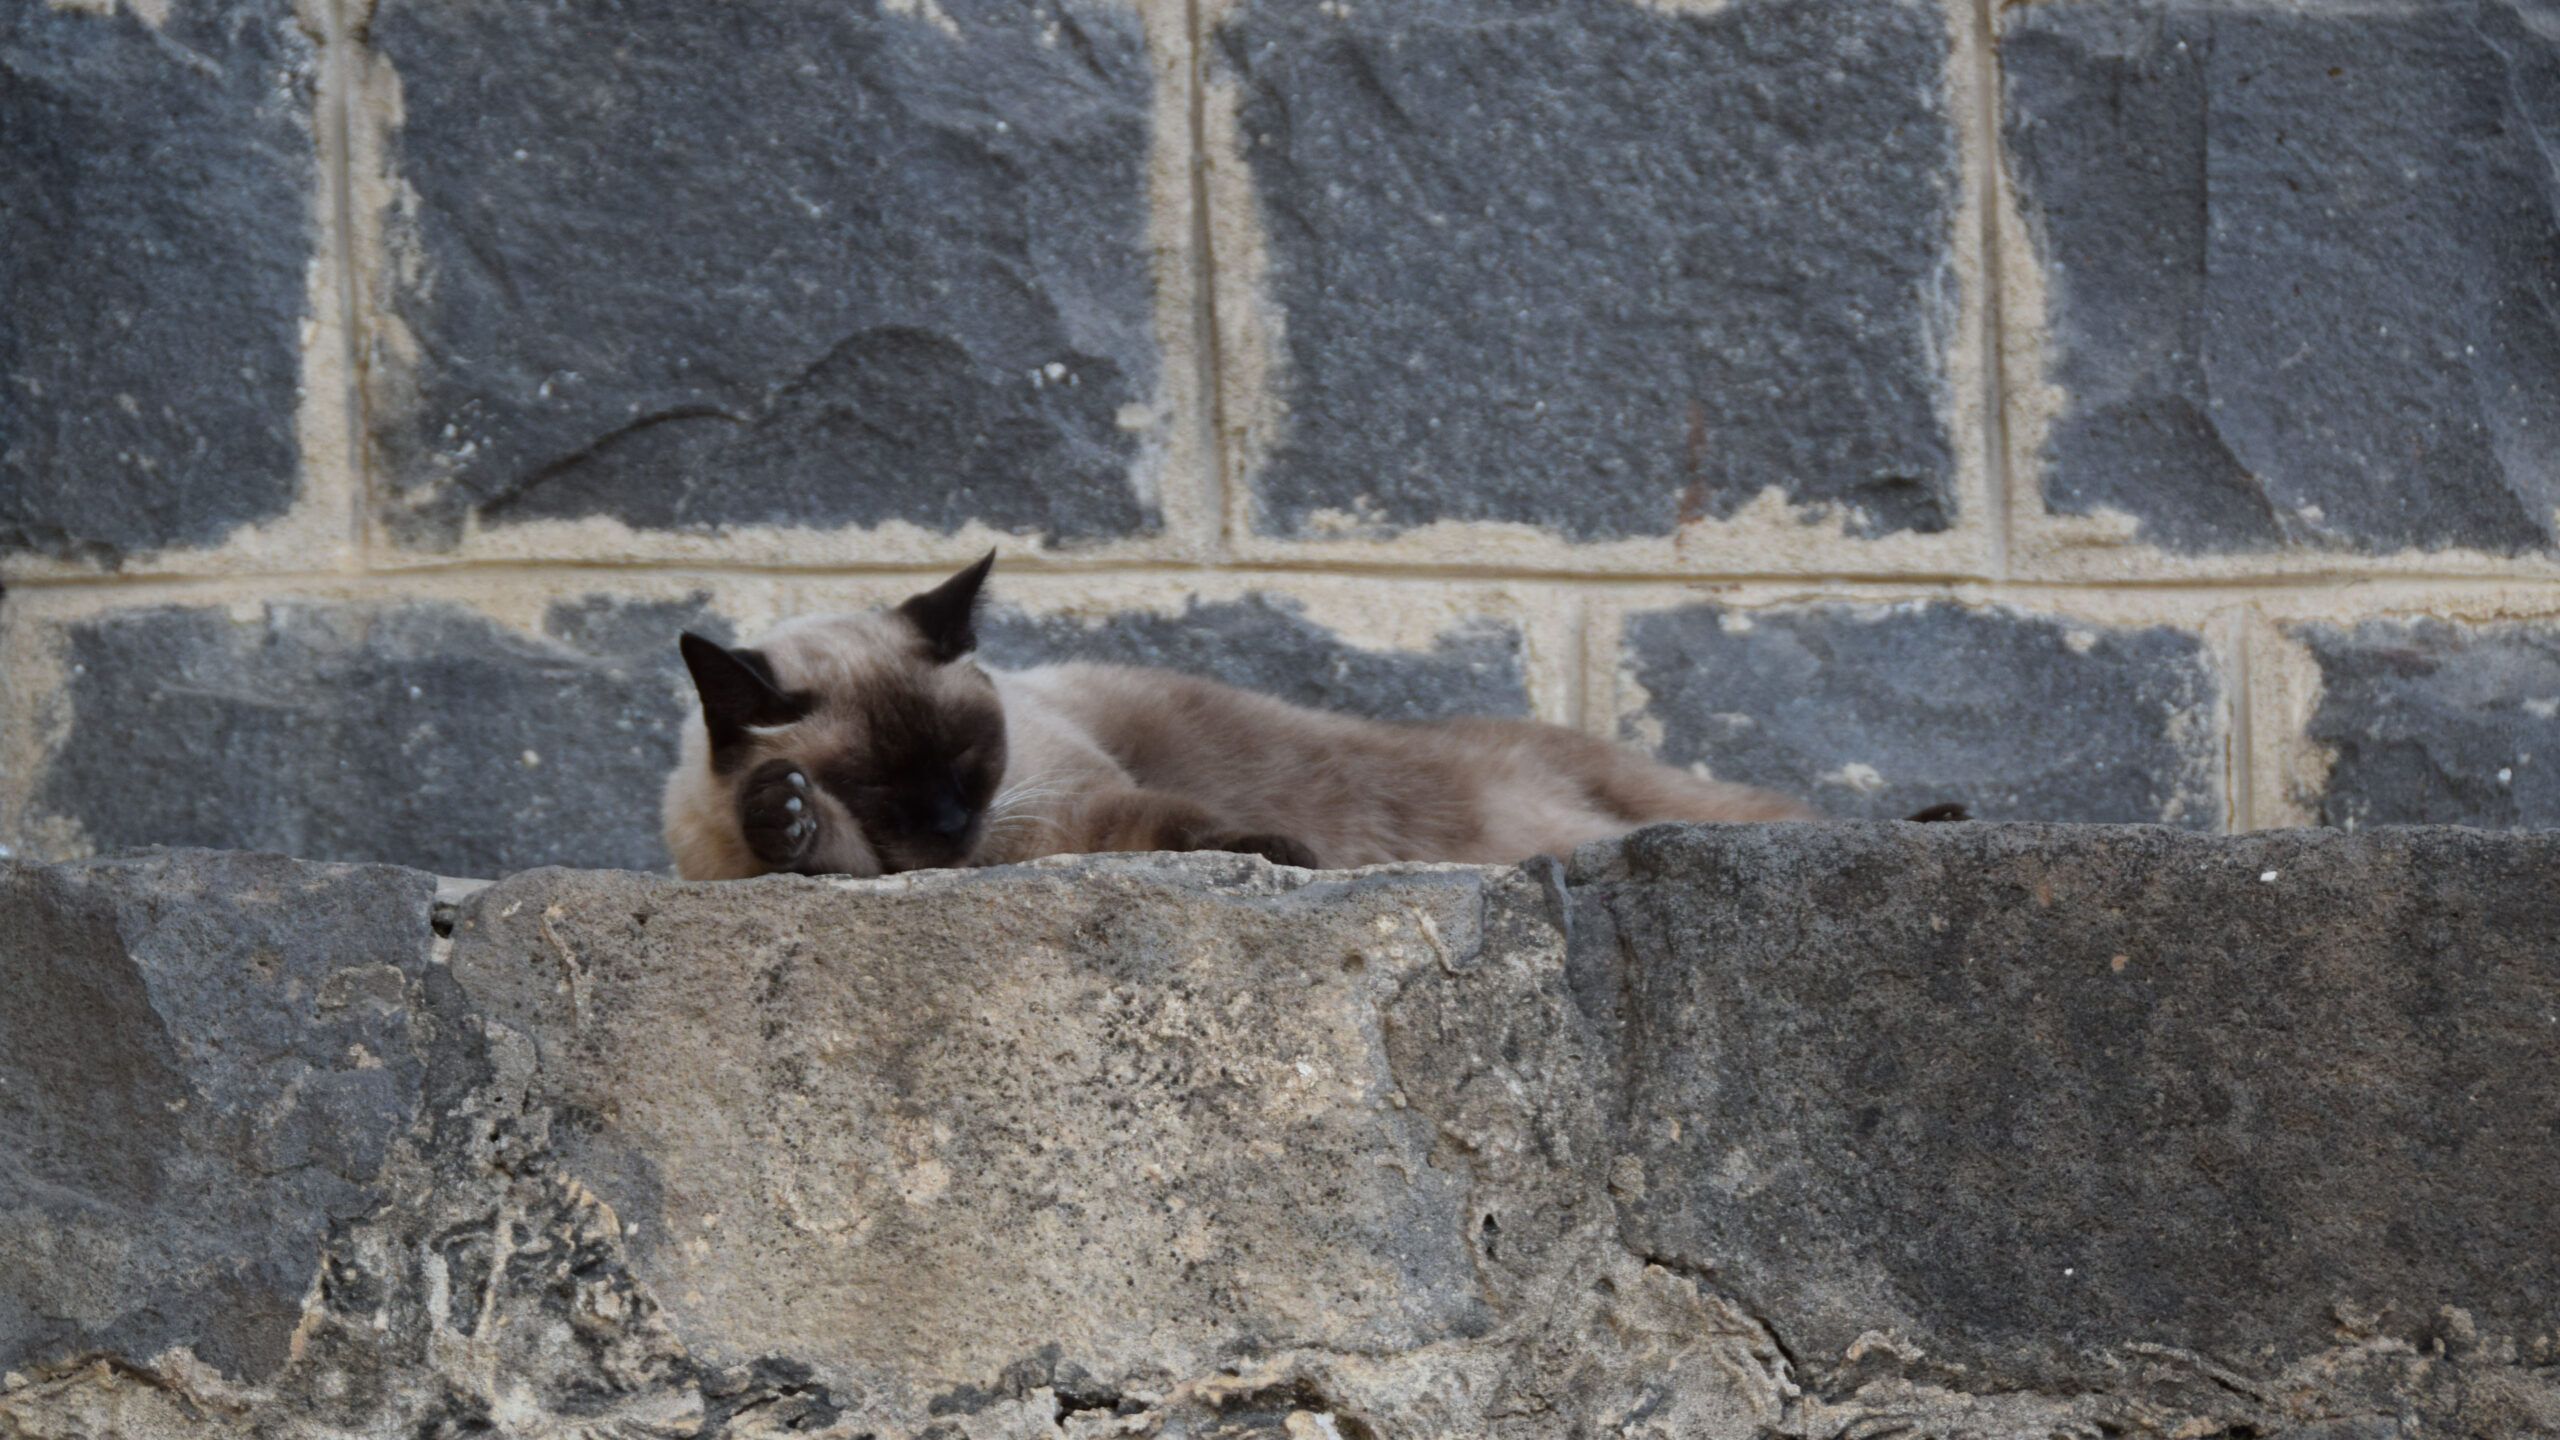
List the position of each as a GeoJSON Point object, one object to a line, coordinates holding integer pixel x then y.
{"type": "Point", "coordinates": [1798, 1130]}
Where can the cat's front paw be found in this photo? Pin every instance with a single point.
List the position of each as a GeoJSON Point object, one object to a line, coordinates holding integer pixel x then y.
{"type": "Point", "coordinates": [1278, 849]}
{"type": "Point", "coordinates": [779, 814]}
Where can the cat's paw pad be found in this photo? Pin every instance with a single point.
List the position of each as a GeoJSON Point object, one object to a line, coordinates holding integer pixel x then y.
{"type": "Point", "coordinates": [1278, 849]}
{"type": "Point", "coordinates": [779, 813]}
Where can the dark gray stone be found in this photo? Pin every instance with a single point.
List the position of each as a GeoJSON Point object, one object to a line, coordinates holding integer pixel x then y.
{"type": "Point", "coordinates": [155, 189]}
{"type": "Point", "coordinates": [204, 1060]}
{"type": "Point", "coordinates": [398, 733]}
{"type": "Point", "coordinates": [2097, 1130]}
{"type": "Point", "coordinates": [1600, 268]}
{"type": "Point", "coordinates": [800, 263]}
{"type": "Point", "coordinates": [2300, 263]}
{"type": "Point", "coordinates": [1263, 642]}
{"type": "Point", "coordinates": [2019, 1096]}
{"type": "Point", "coordinates": [2437, 723]}
{"type": "Point", "coordinates": [2018, 717]}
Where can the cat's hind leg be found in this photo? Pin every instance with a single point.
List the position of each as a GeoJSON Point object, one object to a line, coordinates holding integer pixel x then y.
{"type": "Point", "coordinates": [1641, 791]}
{"type": "Point", "coordinates": [1138, 819]}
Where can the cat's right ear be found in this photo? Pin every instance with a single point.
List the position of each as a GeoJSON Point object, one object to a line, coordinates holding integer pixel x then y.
{"type": "Point", "coordinates": [737, 687]}
{"type": "Point", "coordinates": [947, 614]}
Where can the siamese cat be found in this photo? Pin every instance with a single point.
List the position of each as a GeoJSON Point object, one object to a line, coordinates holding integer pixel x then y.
{"type": "Point", "coordinates": [868, 744]}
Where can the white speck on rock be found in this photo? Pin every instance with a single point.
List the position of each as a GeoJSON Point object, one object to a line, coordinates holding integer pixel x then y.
{"type": "Point", "coordinates": [1857, 775]}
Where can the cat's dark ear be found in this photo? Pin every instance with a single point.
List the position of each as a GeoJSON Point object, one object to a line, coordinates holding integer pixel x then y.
{"type": "Point", "coordinates": [737, 687]}
{"type": "Point", "coordinates": [948, 613]}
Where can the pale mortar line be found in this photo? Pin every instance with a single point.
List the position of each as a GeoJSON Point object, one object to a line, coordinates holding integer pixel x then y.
{"type": "Point", "coordinates": [1208, 367]}
{"type": "Point", "coordinates": [2240, 772]}
{"type": "Point", "coordinates": [1577, 684]}
{"type": "Point", "coordinates": [342, 74]}
{"type": "Point", "coordinates": [602, 571]}
{"type": "Point", "coordinates": [1989, 199]}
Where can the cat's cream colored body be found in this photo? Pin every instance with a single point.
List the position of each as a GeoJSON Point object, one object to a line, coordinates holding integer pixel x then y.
{"type": "Point", "coordinates": [1355, 791]}
{"type": "Point", "coordinates": [1103, 757]}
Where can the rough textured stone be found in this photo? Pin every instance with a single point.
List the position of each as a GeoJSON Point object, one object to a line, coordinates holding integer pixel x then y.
{"type": "Point", "coordinates": [799, 263]}
{"type": "Point", "coordinates": [2438, 723]}
{"type": "Point", "coordinates": [2297, 261]}
{"type": "Point", "coordinates": [1789, 1131]}
{"type": "Point", "coordinates": [1594, 268]}
{"type": "Point", "coordinates": [204, 1062]}
{"type": "Point", "coordinates": [155, 187]}
{"type": "Point", "coordinates": [2019, 1096]}
{"type": "Point", "coordinates": [1877, 711]}
{"type": "Point", "coordinates": [1208, 1104]}
{"type": "Point", "coordinates": [1266, 643]}
{"type": "Point", "coordinates": [415, 733]}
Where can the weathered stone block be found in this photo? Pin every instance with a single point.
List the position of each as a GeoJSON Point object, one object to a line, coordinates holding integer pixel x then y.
{"type": "Point", "coordinates": [1218, 1114]}
{"type": "Point", "coordinates": [801, 263]}
{"type": "Point", "coordinates": [2025, 1100]}
{"type": "Point", "coordinates": [2433, 722]}
{"type": "Point", "coordinates": [204, 1062]}
{"type": "Point", "coordinates": [156, 187]}
{"type": "Point", "coordinates": [419, 733]}
{"type": "Point", "coordinates": [1267, 642]}
{"type": "Point", "coordinates": [2292, 259]}
{"type": "Point", "coordinates": [1879, 710]}
{"type": "Point", "coordinates": [1602, 268]}
{"type": "Point", "coordinates": [1789, 1130]}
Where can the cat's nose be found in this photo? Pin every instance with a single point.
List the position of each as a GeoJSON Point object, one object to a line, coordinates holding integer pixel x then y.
{"type": "Point", "coordinates": [950, 819]}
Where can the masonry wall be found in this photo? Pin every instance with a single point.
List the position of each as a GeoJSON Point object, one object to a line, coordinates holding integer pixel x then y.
{"type": "Point", "coordinates": [2100, 410]}
{"type": "Point", "coordinates": [2011, 1132]}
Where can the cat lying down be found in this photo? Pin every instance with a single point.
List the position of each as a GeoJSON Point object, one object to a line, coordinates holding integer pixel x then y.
{"type": "Point", "coordinates": [873, 743]}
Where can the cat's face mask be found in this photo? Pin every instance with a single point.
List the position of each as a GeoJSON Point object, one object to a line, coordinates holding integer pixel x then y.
{"type": "Point", "coordinates": [863, 746]}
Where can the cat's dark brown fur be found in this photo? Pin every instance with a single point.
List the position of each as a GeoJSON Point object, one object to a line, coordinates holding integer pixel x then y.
{"type": "Point", "coordinates": [870, 743]}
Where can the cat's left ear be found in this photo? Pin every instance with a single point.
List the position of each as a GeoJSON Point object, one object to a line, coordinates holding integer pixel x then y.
{"type": "Point", "coordinates": [948, 613]}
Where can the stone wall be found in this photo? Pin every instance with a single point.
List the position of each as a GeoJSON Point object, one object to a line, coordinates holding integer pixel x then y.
{"type": "Point", "coordinates": [2110, 410]}
{"type": "Point", "coordinates": [2003, 1131]}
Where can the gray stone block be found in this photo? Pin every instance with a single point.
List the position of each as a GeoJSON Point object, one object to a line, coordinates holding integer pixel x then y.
{"type": "Point", "coordinates": [1603, 268]}
{"type": "Point", "coordinates": [1877, 711]}
{"type": "Point", "coordinates": [1728, 1130]}
{"type": "Point", "coordinates": [155, 188]}
{"type": "Point", "coordinates": [416, 733]}
{"type": "Point", "coordinates": [1266, 643]}
{"type": "Point", "coordinates": [204, 1062]}
{"type": "Point", "coordinates": [2432, 722]}
{"type": "Point", "coordinates": [2296, 261]}
{"type": "Point", "coordinates": [799, 263]}
{"type": "Point", "coordinates": [1212, 1103]}
{"type": "Point", "coordinates": [2024, 1099]}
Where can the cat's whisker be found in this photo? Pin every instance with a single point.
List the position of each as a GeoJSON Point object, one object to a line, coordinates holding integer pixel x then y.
{"type": "Point", "coordinates": [1009, 801]}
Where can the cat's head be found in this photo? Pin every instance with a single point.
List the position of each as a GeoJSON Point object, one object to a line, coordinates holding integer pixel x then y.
{"type": "Point", "coordinates": [841, 744]}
